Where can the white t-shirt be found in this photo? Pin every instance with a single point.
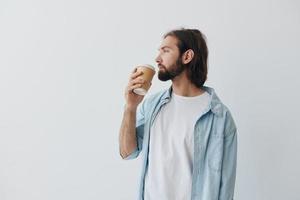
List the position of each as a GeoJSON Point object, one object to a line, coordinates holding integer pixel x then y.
{"type": "Point", "coordinates": [171, 148]}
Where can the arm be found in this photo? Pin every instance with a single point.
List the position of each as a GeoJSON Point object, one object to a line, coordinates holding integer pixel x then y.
{"type": "Point", "coordinates": [127, 137]}
{"type": "Point", "coordinates": [228, 173]}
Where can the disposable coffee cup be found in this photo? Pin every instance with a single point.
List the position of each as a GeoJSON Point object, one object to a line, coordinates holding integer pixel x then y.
{"type": "Point", "coordinates": [147, 76]}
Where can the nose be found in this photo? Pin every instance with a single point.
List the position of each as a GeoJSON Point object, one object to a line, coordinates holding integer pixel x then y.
{"type": "Point", "coordinates": [158, 59]}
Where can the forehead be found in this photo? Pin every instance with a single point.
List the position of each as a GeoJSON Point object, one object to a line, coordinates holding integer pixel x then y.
{"type": "Point", "coordinates": [170, 42]}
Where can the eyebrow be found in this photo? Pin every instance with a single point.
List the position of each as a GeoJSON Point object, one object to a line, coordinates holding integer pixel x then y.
{"type": "Point", "coordinates": [164, 47]}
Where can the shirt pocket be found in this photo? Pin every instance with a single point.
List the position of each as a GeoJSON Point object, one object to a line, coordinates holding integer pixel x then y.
{"type": "Point", "coordinates": [215, 153]}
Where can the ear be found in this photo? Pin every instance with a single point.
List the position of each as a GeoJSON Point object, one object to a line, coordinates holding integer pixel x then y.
{"type": "Point", "coordinates": [187, 56]}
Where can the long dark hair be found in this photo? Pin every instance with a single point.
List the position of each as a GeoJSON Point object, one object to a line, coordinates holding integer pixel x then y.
{"type": "Point", "coordinates": [193, 39]}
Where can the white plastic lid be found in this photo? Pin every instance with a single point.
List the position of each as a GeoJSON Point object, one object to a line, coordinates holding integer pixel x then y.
{"type": "Point", "coordinates": [140, 91]}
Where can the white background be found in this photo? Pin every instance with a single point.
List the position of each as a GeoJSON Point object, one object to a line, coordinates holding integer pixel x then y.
{"type": "Point", "coordinates": [64, 66]}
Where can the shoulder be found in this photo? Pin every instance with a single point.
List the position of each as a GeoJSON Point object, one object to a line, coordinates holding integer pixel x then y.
{"type": "Point", "coordinates": [223, 116]}
{"type": "Point", "coordinates": [155, 97]}
{"type": "Point", "coordinates": [230, 125]}
{"type": "Point", "coordinates": [151, 100]}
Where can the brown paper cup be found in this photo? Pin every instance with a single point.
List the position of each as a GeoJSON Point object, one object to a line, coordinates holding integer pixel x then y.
{"type": "Point", "coordinates": [148, 73]}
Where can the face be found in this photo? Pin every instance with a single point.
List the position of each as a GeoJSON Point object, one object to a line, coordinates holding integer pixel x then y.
{"type": "Point", "coordinates": [169, 62]}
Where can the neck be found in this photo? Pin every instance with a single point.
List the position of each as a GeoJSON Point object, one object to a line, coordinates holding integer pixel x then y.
{"type": "Point", "coordinates": [182, 86]}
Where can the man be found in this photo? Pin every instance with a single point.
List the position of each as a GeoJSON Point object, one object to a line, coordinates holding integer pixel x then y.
{"type": "Point", "coordinates": [188, 136]}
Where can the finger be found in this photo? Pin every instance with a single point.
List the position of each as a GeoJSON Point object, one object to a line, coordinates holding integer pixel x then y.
{"type": "Point", "coordinates": [131, 88]}
{"type": "Point", "coordinates": [136, 74]}
{"type": "Point", "coordinates": [134, 70]}
{"type": "Point", "coordinates": [138, 84]}
{"type": "Point", "coordinates": [136, 81]}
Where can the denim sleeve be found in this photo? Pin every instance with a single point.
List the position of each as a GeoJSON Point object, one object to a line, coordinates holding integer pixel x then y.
{"type": "Point", "coordinates": [140, 124]}
{"type": "Point", "coordinates": [228, 173]}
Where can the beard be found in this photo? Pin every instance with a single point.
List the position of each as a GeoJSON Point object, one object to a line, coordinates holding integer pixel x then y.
{"type": "Point", "coordinates": [174, 71]}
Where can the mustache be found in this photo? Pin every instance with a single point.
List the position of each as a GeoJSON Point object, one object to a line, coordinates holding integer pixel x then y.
{"type": "Point", "coordinates": [161, 66]}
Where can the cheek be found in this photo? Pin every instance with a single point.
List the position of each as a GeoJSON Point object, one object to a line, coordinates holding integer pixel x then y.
{"type": "Point", "coordinates": [169, 59]}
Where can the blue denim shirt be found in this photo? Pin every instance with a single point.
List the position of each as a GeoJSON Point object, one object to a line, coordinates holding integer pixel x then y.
{"type": "Point", "coordinates": [215, 146]}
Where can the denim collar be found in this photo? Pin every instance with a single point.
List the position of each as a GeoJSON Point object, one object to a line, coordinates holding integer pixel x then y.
{"type": "Point", "coordinates": [215, 104]}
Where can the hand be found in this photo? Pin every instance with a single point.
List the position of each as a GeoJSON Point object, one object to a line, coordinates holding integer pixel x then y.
{"type": "Point", "coordinates": [132, 99]}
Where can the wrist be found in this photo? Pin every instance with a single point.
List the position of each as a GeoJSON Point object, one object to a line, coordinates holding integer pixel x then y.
{"type": "Point", "coordinates": [131, 108]}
